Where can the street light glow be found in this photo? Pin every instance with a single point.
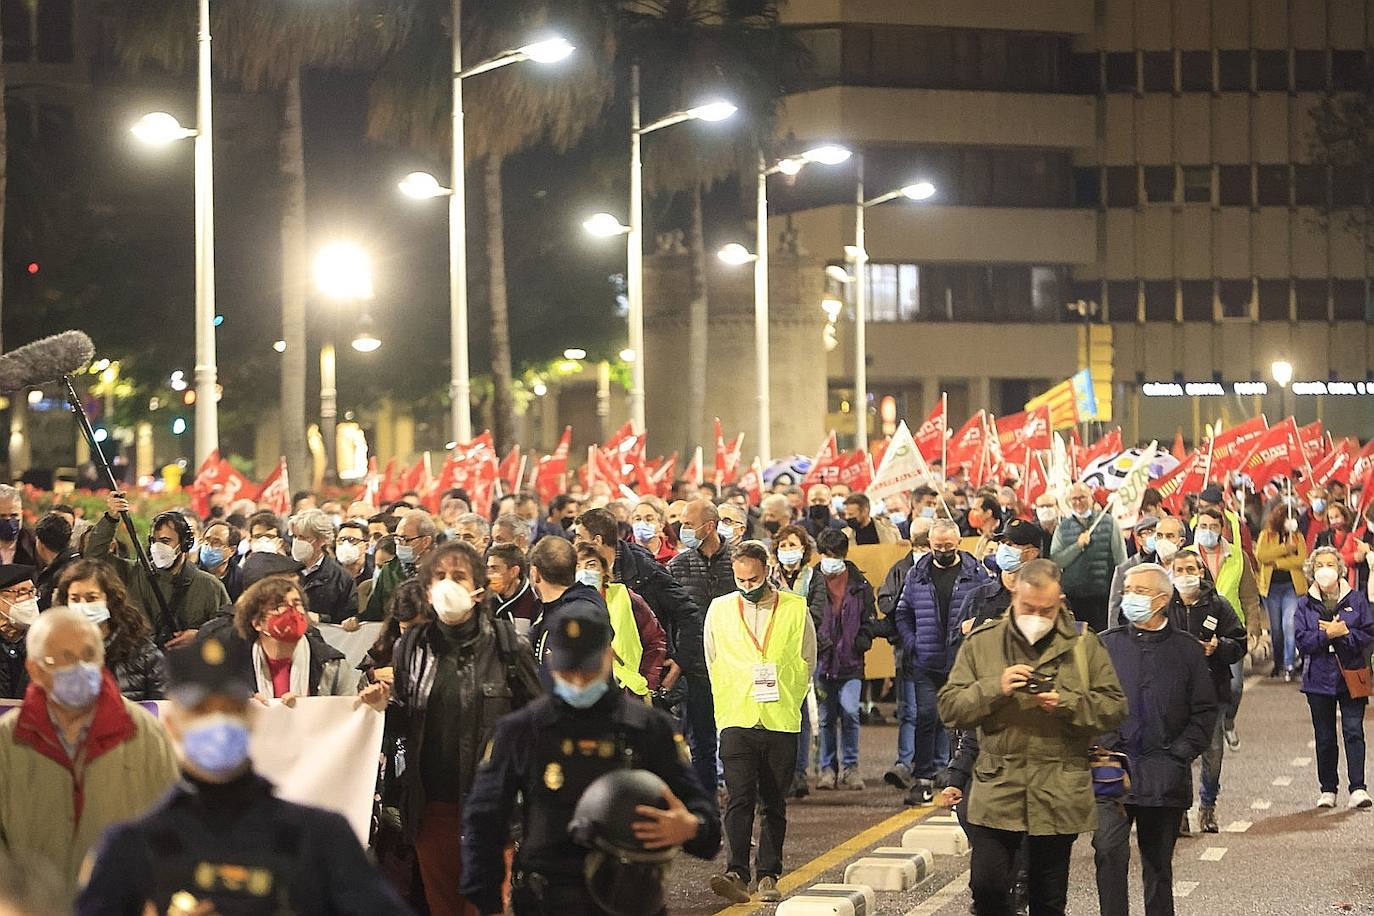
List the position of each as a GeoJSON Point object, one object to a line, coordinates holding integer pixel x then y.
{"type": "Point", "coordinates": [627, 355]}
{"type": "Point", "coordinates": [604, 225]}
{"type": "Point", "coordinates": [548, 51]}
{"type": "Point", "coordinates": [827, 155]}
{"type": "Point", "coordinates": [838, 274]}
{"type": "Point", "coordinates": [540, 389]}
{"type": "Point", "coordinates": [791, 166]}
{"type": "Point", "coordinates": [1282, 371]}
{"type": "Point", "coordinates": [715, 110]}
{"type": "Point", "coordinates": [344, 271]}
{"type": "Point", "coordinates": [736, 255]}
{"type": "Point", "coordinates": [921, 190]}
{"type": "Point", "coordinates": [366, 342]}
{"type": "Point", "coordinates": [159, 128]}
{"type": "Point", "coordinates": [279, 346]}
{"type": "Point", "coordinates": [574, 353]}
{"type": "Point", "coordinates": [422, 186]}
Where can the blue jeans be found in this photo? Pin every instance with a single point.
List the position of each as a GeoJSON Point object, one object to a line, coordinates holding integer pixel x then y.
{"type": "Point", "coordinates": [1209, 776]}
{"type": "Point", "coordinates": [838, 703]}
{"type": "Point", "coordinates": [1228, 714]}
{"type": "Point", "coordinates": [1352, 731]}
{"type": "Point", "coordinates": [932, 741]}
{"type": "Point", "coordinates": [906, 721]}
{"type": "Point", "coordinates": [1282, 604]}
{"type": "Point", "coordinates": [804, 741]}
{"type": "Point", "coordinates": [701, 730]}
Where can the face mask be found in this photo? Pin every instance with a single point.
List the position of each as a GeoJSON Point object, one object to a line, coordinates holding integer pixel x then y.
{"type": "Point", "coordinates": [244, 547]}
{"type": "Point", "coordinates": [589, 577]}
{"type": "Point", "coordinates": [1207, 538]}
{"type": "Point", "coordinates": [1187, 585]}
{"type": "Point", "coordinates": [927, 512]}
{"type": "Point", "coordinates": [818, 514]}
{"type": "Point", "coordinates": [264, 545]}
{"type": "Point", "coordinates": [1033, 626]}
{"type": "Point", "coordinates": [406, 554]}
{"type": "Point", "coordinates": [977, 518]}
{"type": "Point", "coordinates": [76, 686]}
{"type": "Point", "coordinates": [832, 566]}
{"type": "Point", "coordinates": [1085, 514]}
{"type": "Point", "coordinates": [897, 518]}
{"type": "Point", "coordinates": [302, 550]}
{"type": "Point", "coordinates": [216, 745]}
{"type": "Point", "coordinates": [97, 612]}
{"type": "Point", "coordinates": [1336, 522]}
{"type": "Point", "coordinates": [1290, 525]}
{"type": "Point", "coordinates": [752, 595]}
{"type": "Point", "coordinates": [644, 531]}
{"type": "Point", "coordinates": [211, 557]}
{"type": "Point", "coordinates": [1008, 557]}
{"type": "Point", "coordinates": [1046, 514]}
{"type": "Point", "coordinates": [1150, 543]}
{"type": "Point", "coordinates": [771, 527]}
{"type": "Point", "coordinates": [9, 529]}
{"type": "Point", "coordinates": [689, 538]}
{"type": "Point", "coordinates": [1326, 577]}
{"type": "Point", "coordinates": [1164, 549]}
{"type": "Point", "coordinates": [288, 626]}
{"type": "Point", "coordinates": [790, 557]}
{"type": "Point", "coordinates": [452, 603]}
{"type": "Point", "coordinates": [837, 505]}
{"type": "Point", "coordinates": [337, 520]}
{"type": "Point", "coordinates": [725, 533]}
{"type": "Point", "coordinates": [945, 558]}
{"type": "Point", "coordinates": [23, 613]}
{"type": "Point", "coordinates": [1137, 608]}
{"type": "Point", "coordinates": [1318, 506]}
{"type": "Point", "coordinates": [580, 697]}
{"type": "Point", "coordinates": [163, 555]}
{"type": "Point", "coordinates": [348, 554]}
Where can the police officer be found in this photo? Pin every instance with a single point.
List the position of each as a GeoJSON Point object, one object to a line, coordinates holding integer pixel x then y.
{"type": "Point", "coordinates": [221, 843]}
{"type": "Point", "coordinates": [550, 752]}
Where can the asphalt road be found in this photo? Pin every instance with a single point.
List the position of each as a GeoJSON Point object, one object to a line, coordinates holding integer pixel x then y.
{"type": "Point", "coordinates": [1277, 855]}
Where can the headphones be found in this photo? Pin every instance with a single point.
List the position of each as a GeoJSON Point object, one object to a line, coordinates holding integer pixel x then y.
{"type": "Point", "coordinates": [179, 525]}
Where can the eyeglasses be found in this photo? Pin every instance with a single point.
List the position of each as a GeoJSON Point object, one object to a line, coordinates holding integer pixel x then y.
{"type": "Point", "coordinates": [18, 594]}
{"type": "Point", "coordinates": [296, 605]}
{"type": "Point", "coordinates": [358, 542]}
{"type": "Point", "coordinates": [412, 539]}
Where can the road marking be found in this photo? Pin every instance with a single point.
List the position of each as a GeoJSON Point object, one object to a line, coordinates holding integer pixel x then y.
{"type": "Point", "coordinates": [1261, 804]}
{"type": "Point", "coordinates": [807, 873]}
{"type": "Point", "coordinates": [1212, 854]}
{"type": "Point", "coordinates": [1282, 781]}
{"type": "Point", "coordinates": [937, 901]}
{"type": "Point", "coordinates": [1301, 761]}
{"type": "Point", "coordinates": [1237, 827]}
{"type": "Point", "coordinates": [1184, 888]}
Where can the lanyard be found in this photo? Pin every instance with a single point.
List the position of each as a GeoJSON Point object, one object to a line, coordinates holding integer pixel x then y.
{"type": "Point", "coordinates": [772, 618]}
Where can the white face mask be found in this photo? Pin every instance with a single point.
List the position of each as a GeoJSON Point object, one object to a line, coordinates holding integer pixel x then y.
{"type": "Point", "coordinates": [1165, 549]}
{"type": "Point", "coordinates": [264, 545]}
{"type": "Point", "coordinates": [23, 613]}
{"type": "Point", "coordinates": [163, 555]}
{"type": "Point", "coordinates": [1326, 577]}
{"type": "Point", "coordinates": [1187, 585]}
{"type": "Point", "coordinates": [302, 551]}
{"type": "Point", "coordinates": [452, 603]}
{"type": "Point", "coordinates": [1290, 525]}
{"type": "Point", "coordinates": [348, 553]}
{"type": "Point", "coordinates": [1033, 626]}
{"type": "Point", "coordinates": [97, 612]}
{"type": "Point", "coordinates": [1046, 514]}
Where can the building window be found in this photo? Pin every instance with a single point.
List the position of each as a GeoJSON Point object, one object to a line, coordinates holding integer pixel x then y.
{"type": "Point", "coordinates": [1087, 187]}
{"type": "Point", "coordinates": [1348, 300]}
{"type": "Point", "coordinates": [1196, 299]}
{"type": "Point", "coordinates": [1120, 71]}
{"type": "Point", "coordinates": [1271, 185]}
{"type": "Point", "coordinates": [18, 27]}
{"type": "Point", "coordinates": [1348, 73]}
{"type": "Point", "coordinates": [1309, 185]}
{"type": "Point", "coordinates": [1157, 71]}
{"type": "Point", "coordinates": [1271, 71]}
{"type": "Point", "coordinates": [1195, 71]}
{"type": "Point", "coordinates": [1159, 300]}
{"type": "Point", "coordinates": [893, 292]}
{"type": "Point", "coordinates": [1309, 71]}
{"type": "Point", "coordinates": [1159, 184]}
{"type": "Point", "coordinates": [1123, 186]}
{"type": "Point", "coordinates": [1085, 73]}
{"type": "Point", "coordinates": [56, 39]}
{"type": "Point", "coordinates": [1273, 300]}
{"type": "Point", "coordinates": [1310, 298]}
{"type": "Point", "coordinates": [1197, 184]}
{"type": "Point", "coordinates": [1233, 184]}
{"type": "Point", "coordinates": [1347, 186]}
{"type": "Point", "coordinates": [1234, 296]}
{"type": "Point", "coordinates": [1233, 71]}
{"type": "Point", "coordinates": [1123, 301]}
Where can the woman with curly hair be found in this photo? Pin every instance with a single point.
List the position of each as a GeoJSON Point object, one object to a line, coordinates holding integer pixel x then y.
{"type": "Point", "coordinates": [94, 588]}
{"type": "Point", "coordinates": [290, 657]}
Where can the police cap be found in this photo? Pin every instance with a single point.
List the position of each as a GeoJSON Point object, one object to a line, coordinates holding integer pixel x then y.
{"type": "Point", "coordinates": [211, 666]}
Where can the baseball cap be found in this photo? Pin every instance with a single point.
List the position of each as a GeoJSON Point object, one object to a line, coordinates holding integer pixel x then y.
{"type": "Point", "coordinates": [1023, 533]}
{"type": "Point", "coordinates": [211, 666]}
{"type": "Point", "coordinates": [1211, 494]}
{"type": "Point", "coordinates": [579, 637]}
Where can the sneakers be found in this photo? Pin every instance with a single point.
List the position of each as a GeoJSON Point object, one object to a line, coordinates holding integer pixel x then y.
{"type": "Point", "coordinates": [922, 791]}
{"type": "Point", "coordinates": [851, 780]}
{"type": "Point", "coordinates": [768, 890]}
{"type": "Point", "coordinates": [898, 776]}
{"type": "Point", "coordinates": [1360, 799]}
{"type": "Point", "coordinates": [826, 780]}
{"type": "Point", "coordinates": [1232, 737]}
{"type": "Point", "coordinates": [731, 886]}
{"type": "Point", "coordinates": [800, 789]}
{"type": "Point", "coordinates": [1207, 816]}
{"type": "Point", "coordinates": [1328, 799]}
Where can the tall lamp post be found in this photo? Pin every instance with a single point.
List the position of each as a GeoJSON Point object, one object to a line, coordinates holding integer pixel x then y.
{"type": "Point", "coordinates": [1282, 372]}
{"type": "Point", "coordinates": [422, 185]}
{"type": "Point", "coordinates": [921, 190]}
{"type": "Point", "coordinates": [161, 128]}
{"type": "Point", "coordinates": [343, 273]}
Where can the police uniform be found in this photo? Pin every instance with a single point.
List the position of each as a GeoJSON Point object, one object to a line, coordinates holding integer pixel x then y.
{"type": "Point", "coordinates": [549, 753]}
{"type": "Point", "coordinates": [234, 844]}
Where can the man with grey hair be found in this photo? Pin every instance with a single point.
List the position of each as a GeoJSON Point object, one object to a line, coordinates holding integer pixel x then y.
{"type": "Point", "coordinates": [774, 513]}
{"type": "Point", "coordinates": [1089, 547]}
{"type": "Point", "coordinates": [416, 535]}
{"type": "Point", "coordinates": [17, 543]}
{"type": "Point", "coordinates": [77, 757]}
{"type": "Point", "coordinates": [329, 589]}
{"type": "Point", "coordinates": [510, 528]}
{"type": "Point", "coordinates": [473, 529]}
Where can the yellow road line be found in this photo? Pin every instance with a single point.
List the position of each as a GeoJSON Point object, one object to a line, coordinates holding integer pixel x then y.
{"type": "Point", "coordinates": [849, 848]}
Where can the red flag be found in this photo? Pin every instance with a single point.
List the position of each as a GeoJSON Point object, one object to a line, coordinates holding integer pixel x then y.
{"type": "Point", "coordinates": [966, 447]}
{"type": "Point", "coordinates": [929, 436]}
{"type": "Point", "coordinates": [390, 490]}
{"type": "Point", "coordinates": [552, 469]}
{"type": "Point", "coordinates": [693, 472]}
{"type": "Point", "coordinates": [1313, 441]}
{"type": "Point", "coordinates": [1109, 444]}
{"type": "Point", "coordinates": [276, 491]}
{"type": "Point", "coordinates": [621, 435]}
{"type": "Point", "coordinates": [1334, 467]}
{"type": "Point", "coordinates": [661, 476]}
{"type": "Point", "coordinates": [1185, 478]}
{"type": "Point", "coordinates": [854, 469]}
{"type": "Point", "coordinates": [472, 467]}
{"type": "Point", "coordinates": [722, 459]}
{"type": "Point", "coordinates": [1276, 452]}
{"type": "Point", "coordinates": [509, 470]}
{"type": "Point", "coordinates": [1035, 481]}
{"type": "Point", "coordinates": [1360, 470]}
{"type": "Point", "coordinates": [1179, 451]}
{"type": "Point", "coordinates": [751, 482]}
{"type": "Point", "coordinates": [217, 475]}
{"type": "Point", "coordinates": [1029, 429]}
{"type": "Point", "coordinates": [826, 456]}
{"type": "Point", "coordinates": [1233, 445]}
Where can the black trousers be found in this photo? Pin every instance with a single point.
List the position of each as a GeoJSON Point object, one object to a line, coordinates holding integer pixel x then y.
{"type": "Point", "coordinates": [1156, 830]}
{"type": "Point", "coordinates": [993, 871]}
{"type": "Point", "coordinates": [758, 771]}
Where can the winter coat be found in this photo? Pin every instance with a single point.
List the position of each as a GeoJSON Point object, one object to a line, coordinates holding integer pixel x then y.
{"type": "Point", "coordinates": [1321, 673]}
{"type": "Point", "coordinates": [14, 677]}
{"type": "Point", "coordinates": [330, 675]}
{"type": "Point", "coordinates": [843, 634]}
{"type": "Point", "coordinates": [886, 625]}
{"type": "Point", "coordinates": [1173, 711]}
{"type": "Point", "coordinates": [705, 578]}
{"type": "Point", "coordinates": [1032, 772]}
{"type": "Point", "coordinates": [924, 640]}
{"type": "Point", "coordinates": [989, 600]}
{"type": "Point", "coordinates": [1232, 641]}
{"type": "Point", "coordinates": [330, 592]}
{"type": "Point", "coordinates": [142, 675]}
{"type": "Point", "coordinates": [1271, 553]}
{"type": "Point", "coordinates": [46, 581]}
{"type": "Point", "coordinates": [679, 615]}
{"type": "Point", "coordinates": [887, 531]}
{"type": "Point", "coordinates": [1088, 570]}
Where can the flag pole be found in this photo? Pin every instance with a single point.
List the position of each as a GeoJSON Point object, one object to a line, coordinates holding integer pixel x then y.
{"type": "Point", "coordinates": [944, 441]}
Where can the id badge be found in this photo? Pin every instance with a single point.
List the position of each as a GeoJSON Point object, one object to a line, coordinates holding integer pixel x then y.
{"type": "Point", "coordinates": [1210, 624]}
{"type": "Point", "coordinates": [766, 683]}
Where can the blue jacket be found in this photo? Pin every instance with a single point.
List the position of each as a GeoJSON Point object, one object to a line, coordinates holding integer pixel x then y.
{"type": "Point", "coordinates": [917, 614]}
{"type": "Point", "coordinates": [1325, 657]}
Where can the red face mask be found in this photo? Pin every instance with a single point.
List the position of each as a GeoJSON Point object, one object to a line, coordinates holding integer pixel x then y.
{"type": "Point", "coordinates": [288, 626]}
{"type": "Point", "coordinates": [977, 518]}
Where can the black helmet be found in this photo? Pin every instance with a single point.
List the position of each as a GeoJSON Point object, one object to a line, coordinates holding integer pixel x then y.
{"type": "Point", "coordinates": [622, 876]}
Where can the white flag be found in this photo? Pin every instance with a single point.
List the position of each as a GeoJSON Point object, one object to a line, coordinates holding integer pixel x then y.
{"type": "Point", "coordinates": [902, 469]}
{"type": "Point", "coordinates": [1126, 498]}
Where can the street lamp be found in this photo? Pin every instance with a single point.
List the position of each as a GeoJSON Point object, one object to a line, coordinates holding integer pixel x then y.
{"type": "Point", "coordinates": [162, 128]}
{"type": "Point", "coordinates": [920, 190]}
{"type": "Point", "coordinates": [736, 255]}
{"type": "Point", "coordinates": [421, 185]}
{"type": "Point", "coordinates": [1282, 372]}
{"type": "Point", "coordinates": [343, 272]}
{"type": "Point", "coordinates": [604, 225]}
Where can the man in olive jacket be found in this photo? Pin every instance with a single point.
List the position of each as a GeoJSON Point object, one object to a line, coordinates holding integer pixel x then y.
{"type": "Point", "coordinates": [1031, 780]}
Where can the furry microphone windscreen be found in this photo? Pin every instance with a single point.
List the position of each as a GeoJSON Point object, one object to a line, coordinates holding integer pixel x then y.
{"type": "Point", "coordinates": [45, 360]}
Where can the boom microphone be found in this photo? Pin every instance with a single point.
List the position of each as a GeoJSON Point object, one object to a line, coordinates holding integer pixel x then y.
{"type": "Point", "coordinates": [46, 360]}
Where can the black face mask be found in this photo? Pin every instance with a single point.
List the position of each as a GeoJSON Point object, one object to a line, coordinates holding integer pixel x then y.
{"type": "Point", "coordinates": [818, 513]}
{"type": "Point", "coordinates": [944, 557]}
{"type": "Point", "coordinates": [771, 527]}
{"type": "Point", "coordinates": [566, 522]}
{"type": "Point", "coordinates": [217, 512]}
{"type": "Point", "coordinates": [852, 523]}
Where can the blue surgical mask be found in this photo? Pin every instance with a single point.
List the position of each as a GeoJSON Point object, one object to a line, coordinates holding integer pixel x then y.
{"type": "Point", "coordinates": [1150, 543]}
{"type": "Point", "coordinates": [9, 529]}
{"type": "Point", "coordinates": [644, 531]}
{"type": "Point", "coordinates": [589, 577]}
{"type": "Point", "coordinates": [406, 554]}
{"type": "Point", "coordinates": [927, 512]}
{"type": "Point", "coordinates": [1008, 557]}
{"type": "Point", "coordinates": [210, 557]}
{"type": "Point", "coordinates": [897, 518]}
{"type": "Point", "coordinates": [1207, 538]}
{"type": "Point", "coordinates": [790, 557]}
{"type": "Point", "coordinates": [725, 532]}
{"type": "Point", "coordinates": [689, 538]}
{"type": "Point", "coordinates": [216, 745]}
{"type": "Point", "coordinates": [1137, 608]}
{"type": "Point", "coordinates": [1319, 506]}
{"type": "Point", "coordinates": [580, 697]}
{"type": "Point", "coordinates": [76, 686]}
{"type": "Point", "coordinates": [832, 566]}
{"type": "Point", "coordinates": [837, 504]}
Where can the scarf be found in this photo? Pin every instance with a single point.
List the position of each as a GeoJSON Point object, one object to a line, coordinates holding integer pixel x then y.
{"type": "Point", "coordinates": [300, 670]}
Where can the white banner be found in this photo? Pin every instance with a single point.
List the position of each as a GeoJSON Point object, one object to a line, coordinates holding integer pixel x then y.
{"type": "Point", "coordinates": [902, 468]}
{"type": "Point", "coordinates": [353, 645]}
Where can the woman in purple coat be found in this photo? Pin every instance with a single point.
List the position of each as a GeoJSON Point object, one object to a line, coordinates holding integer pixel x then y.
{"type": "Point", "coordinates": [1333, 630]}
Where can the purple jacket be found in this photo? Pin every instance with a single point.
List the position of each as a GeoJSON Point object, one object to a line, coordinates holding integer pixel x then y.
{"type": "Point", "coordinates": [1320, 673]}
{"type": "Point", "coordinates": [843, 634]}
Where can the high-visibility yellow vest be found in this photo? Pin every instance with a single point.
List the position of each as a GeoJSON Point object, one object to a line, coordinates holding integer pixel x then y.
{"type": "Point", "coordinates": [735, 653]}
{"type": "Point", "coordinates": [629, 651]}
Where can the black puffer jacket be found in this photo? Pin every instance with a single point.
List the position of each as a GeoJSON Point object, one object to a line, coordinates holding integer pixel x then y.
{"type": "Point", "coordinates": [671, 603]}
{"type": "Point", "coordinates": [330, 592]}
{"type": "Point", "coordinates": [142, 675]}
{"type": "Point", "coordinates": [14, 677]}
{"type": "Point", "coordinates": [1213, 612]}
